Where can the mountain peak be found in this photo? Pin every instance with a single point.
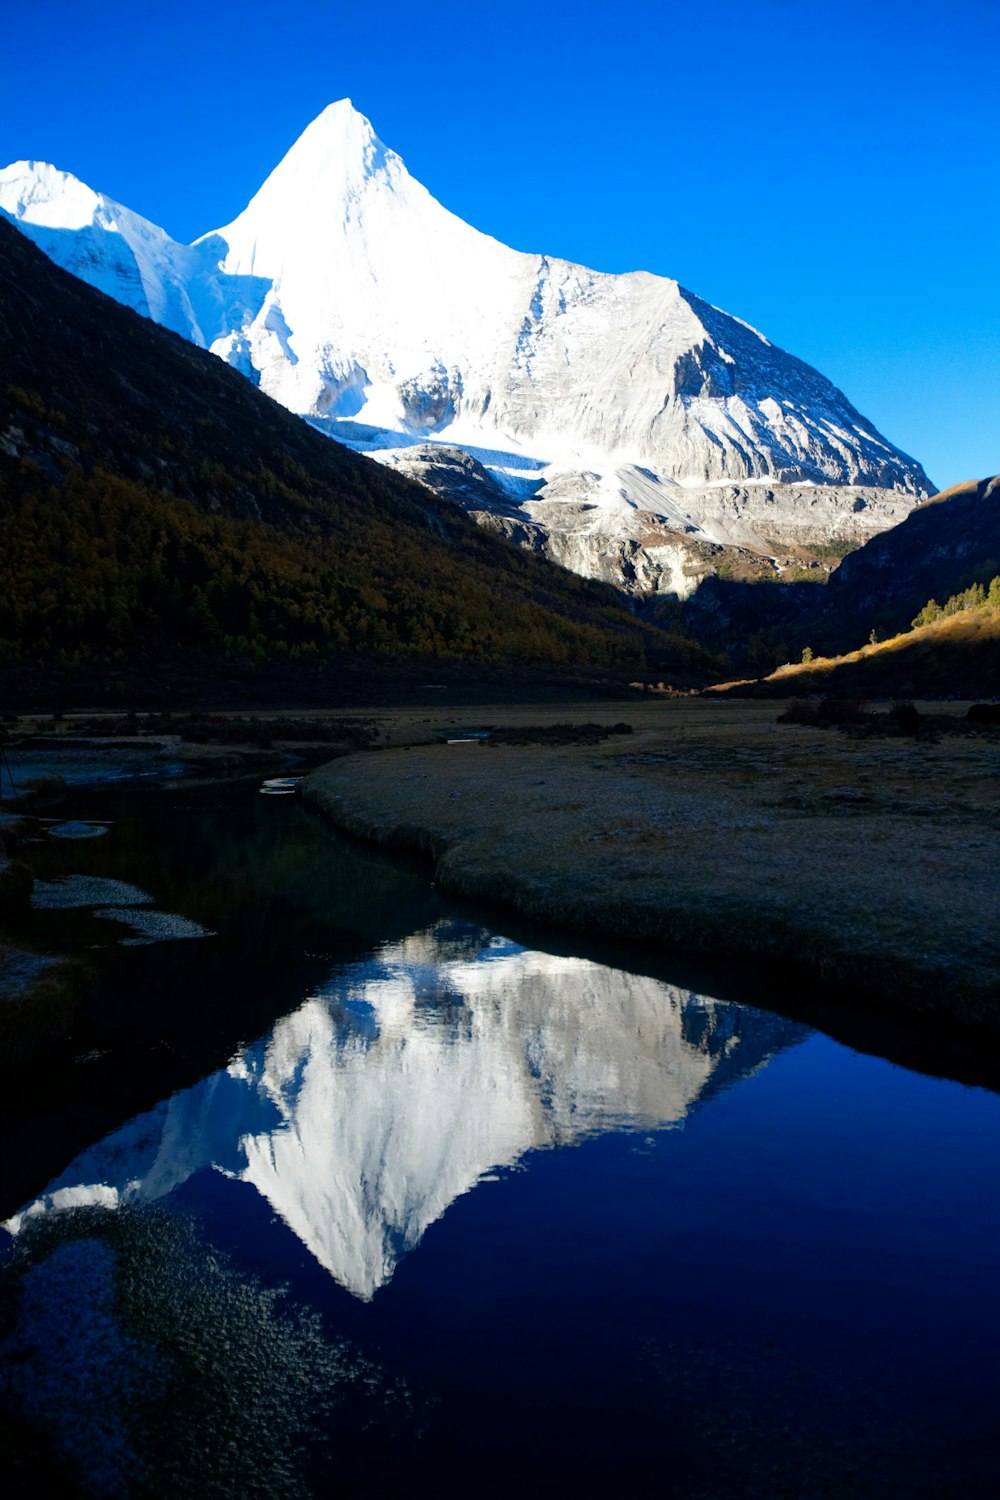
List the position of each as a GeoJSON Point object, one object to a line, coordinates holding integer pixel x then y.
{"type": "Point", "coordinates": [339, 124]}
{"type": "Point", "coordinates": [340, 109]}
{"type": "Point", "coordinates": [339, 147]}
{"type": "Point", "coordinates": [332, 165]}
{"type": "Point", "coordinates": [38, 193]}
{"type": "Point", "coordinates": [595, 402]}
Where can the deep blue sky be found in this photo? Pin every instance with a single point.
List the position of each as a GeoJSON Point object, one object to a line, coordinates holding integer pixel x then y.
{"type": "Point", "coordinates": [828, 171]}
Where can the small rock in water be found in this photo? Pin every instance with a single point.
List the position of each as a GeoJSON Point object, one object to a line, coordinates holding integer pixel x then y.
{"type": "Point", "coordinates": [74, 830]}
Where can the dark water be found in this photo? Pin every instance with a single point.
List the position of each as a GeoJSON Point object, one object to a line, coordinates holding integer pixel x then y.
{"type": "Point", "coordinates": [338, 1188]}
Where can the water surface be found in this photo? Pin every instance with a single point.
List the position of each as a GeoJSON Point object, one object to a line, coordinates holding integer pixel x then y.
{"type": "Point", "coordinates": [340, 1186]}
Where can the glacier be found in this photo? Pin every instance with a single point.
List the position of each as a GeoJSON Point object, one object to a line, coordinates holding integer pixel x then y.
{"type": "Point", "coordinates": [618, 423]}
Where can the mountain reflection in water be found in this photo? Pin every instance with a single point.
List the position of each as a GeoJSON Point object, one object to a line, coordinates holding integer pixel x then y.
{"type": "Point", "coordinates": [391, 1090]}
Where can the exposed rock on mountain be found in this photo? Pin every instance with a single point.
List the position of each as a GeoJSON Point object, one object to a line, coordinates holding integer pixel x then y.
{"type": "Point", "coordinates": [456, 474]}
{"type": "Point", "coordinates": [606, 408]}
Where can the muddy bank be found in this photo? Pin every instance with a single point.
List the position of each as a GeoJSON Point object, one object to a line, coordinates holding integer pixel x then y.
{"type": "Point", "coordinates": [866, 862]}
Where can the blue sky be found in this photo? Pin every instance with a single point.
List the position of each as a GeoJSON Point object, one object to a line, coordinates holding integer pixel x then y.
{"type": "Point", "coordinates": [829, 172]}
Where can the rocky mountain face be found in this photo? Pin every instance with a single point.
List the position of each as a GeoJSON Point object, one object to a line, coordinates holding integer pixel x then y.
{"type": "Point", "coordinates": [616, 422]}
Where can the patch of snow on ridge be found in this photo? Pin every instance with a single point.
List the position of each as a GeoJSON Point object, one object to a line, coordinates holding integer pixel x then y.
{"type": "Point", "coordinates": [37, 193]}
{"type": "Point", "coordinates": [126, 256]}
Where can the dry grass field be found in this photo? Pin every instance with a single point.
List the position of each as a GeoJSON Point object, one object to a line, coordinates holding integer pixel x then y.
{"type": "Point", "coordinates": [870, 861]}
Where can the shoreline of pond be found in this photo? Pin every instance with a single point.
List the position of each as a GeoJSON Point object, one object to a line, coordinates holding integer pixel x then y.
{"type": "Point", "coordinates": [857, 864]}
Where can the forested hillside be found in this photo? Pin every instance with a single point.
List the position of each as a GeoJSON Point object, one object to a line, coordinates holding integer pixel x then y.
{"type": "Point", "coordinates": [152, 501]}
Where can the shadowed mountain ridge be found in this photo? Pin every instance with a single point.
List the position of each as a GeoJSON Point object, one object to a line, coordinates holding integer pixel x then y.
{"type": "Point", "coordinates": [153, 501]}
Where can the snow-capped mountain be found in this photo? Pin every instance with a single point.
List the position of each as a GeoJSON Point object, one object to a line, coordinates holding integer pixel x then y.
{"type": "Point", "coordinates": [375, 1104]}
{"type": "Point", "coordinates": [125, 255]}
{"type": "Point", "coordinates": [614, 417]}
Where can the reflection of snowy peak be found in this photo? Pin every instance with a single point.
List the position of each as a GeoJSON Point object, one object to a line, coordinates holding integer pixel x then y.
{"type": "Point", "coordinates": [368, 1110]}
{"type": "Point", "coordinates": [608, 407]}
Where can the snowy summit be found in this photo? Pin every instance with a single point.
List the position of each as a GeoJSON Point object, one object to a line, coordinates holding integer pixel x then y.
{"type": "Point", "coordinates": [614, 421]}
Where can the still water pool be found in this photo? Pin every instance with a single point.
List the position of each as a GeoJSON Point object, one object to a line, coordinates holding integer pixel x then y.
{"type": "Point", "coordinates": [341, 1186]}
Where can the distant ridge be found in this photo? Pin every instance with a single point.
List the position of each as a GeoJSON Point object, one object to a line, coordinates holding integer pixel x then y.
{"type": "Point", "coordinates": [912, 613]}
{"type": "Point", "coordinates": [942, 547]}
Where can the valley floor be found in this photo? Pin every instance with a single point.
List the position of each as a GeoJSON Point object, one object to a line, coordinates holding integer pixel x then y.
{"type": "Point", "coordinates": [867, 862]}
